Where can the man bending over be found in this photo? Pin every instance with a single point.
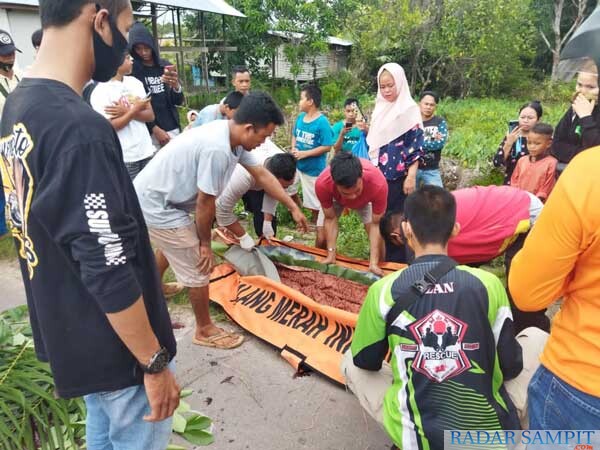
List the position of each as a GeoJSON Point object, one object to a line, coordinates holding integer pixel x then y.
{"type": "Point", "coordinates": [186, 178]}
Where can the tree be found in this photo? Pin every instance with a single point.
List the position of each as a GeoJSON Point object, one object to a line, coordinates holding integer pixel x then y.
{"type": "Point", "coordinates": [462, 47]}
{"type": "Point", "coordinates": [560, 37]}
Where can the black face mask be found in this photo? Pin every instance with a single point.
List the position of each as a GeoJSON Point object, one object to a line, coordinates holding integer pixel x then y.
{"type": "Point", "coordinates": [107, 58]}
{"type": "Point", "coordinates": [6, 67]}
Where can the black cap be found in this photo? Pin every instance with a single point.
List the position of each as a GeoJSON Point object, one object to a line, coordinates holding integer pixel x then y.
{"type": "Point", "coordinates": [7, 46]}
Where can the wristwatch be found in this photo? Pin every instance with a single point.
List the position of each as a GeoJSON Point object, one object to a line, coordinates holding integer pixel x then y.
{"type": "Point", "coordinates": [158, 362]}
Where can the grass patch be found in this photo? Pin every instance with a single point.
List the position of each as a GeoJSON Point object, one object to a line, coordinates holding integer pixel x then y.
{"type": "Point", "coordinates": [7, 249]}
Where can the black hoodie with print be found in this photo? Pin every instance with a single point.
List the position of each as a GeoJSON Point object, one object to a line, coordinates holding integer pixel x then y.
{"type": "Point", "coordinates": [164, 98]}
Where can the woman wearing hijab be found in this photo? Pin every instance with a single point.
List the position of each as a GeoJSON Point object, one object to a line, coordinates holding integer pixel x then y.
{"type": "Point", "coordinates": [395, 141]}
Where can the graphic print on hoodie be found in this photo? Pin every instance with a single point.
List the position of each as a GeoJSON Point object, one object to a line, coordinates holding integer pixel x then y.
{"type": "Point", "coordinates": [164, 98]}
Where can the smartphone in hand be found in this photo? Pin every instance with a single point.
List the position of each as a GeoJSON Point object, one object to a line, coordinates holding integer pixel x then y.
{"type": "Point", "coordinates": [512, 124]}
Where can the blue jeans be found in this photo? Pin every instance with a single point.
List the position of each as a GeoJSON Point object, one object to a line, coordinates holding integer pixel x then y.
{"type": "Point", "coordinates": [115, 421]}
{"type": "Point", "coordinates": [555, 405]}
{"type": "Point", "coordinates": [429, 176]}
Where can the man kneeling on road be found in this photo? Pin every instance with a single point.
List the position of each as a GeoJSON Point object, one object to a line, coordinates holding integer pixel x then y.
{"type": "Point", "coordinates": [187, 177]}
{"type": "Point", "coordinates": [450, 334]}
{"type": "Point", "coordinates": [354, 183]}
{"type": "Point", "coordinates": [283, 167]}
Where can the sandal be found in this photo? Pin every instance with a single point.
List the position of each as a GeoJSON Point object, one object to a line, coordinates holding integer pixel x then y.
{"type": "Point", "coordinates": [222, 340]}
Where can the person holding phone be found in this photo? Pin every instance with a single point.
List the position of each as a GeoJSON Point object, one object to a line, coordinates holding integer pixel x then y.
{"type": "Point", "coordinates": [514, 145]}
{"type": "Point", "coordinates": [348, 131]}
{"type": "Point", "coordinates": [161, 79]}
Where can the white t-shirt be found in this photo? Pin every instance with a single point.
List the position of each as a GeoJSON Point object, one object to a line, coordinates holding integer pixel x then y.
{"type": "Point", "coordinates": [135, 138]}
{"type": "Point", "coordinates": [201, 159]}
{"type": "Point", "coordinates": [241, 182]}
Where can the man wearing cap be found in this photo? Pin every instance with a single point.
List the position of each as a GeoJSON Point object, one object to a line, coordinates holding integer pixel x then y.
{"type": "Point", "coordinates": [8, 77]}
{"type": "Point", "coordinates": [8, 82]}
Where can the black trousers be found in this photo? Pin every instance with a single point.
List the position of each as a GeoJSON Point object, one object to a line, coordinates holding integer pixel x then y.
{"type": "Point", "coordinates": [395, 202]}
{"type": "Point", "coordinates": [253, 201]}
{"type": "Point", "coordinates": [523, 319]}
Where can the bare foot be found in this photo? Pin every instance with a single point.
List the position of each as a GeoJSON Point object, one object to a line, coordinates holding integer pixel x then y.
{"type": "Point", "coordinates": [171, 289]}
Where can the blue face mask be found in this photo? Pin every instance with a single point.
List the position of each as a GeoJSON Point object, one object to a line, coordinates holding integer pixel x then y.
{"type": "Point", "coordinates": [106, 58]}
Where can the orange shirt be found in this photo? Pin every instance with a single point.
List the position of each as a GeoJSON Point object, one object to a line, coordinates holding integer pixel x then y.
{"type": "Point", "coordinates": [561, 258]}
{"type": "Point", "coordinates": [537, 177]}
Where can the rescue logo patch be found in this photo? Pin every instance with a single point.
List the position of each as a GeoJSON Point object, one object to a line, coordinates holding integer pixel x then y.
{"type": "Point", "coordinates": [440, 347]}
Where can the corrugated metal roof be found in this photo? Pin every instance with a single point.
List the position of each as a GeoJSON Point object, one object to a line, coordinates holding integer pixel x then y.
{"type": "Point", "coordinates": [293, 35]}
{"type": "Point", "coordinates": [214, 6]}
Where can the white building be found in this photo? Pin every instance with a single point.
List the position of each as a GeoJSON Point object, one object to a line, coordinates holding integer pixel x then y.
{"type": "Point", "coordinates": [20, 19]}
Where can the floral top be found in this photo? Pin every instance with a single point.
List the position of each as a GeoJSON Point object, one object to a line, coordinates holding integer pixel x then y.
{"type": "Point", "coordinates": [517, 151]}
{"type": "Point", "coordinates": [396, 157]}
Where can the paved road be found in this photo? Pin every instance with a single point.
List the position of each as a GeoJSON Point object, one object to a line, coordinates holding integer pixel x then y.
{"type": "Point", "coordinates": [11, 285]}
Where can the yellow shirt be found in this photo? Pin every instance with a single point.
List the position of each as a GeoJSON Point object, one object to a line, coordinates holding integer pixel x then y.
{"type": "Point", "coordinates": [561, 258]}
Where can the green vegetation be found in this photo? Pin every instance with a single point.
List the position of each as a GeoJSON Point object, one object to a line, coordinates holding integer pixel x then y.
{"type": "Point", "coordinates": [30, 416]}
{"type": "Point", "coordinates": [7, 248]}
{"type": "Point", "coordinates": [477, 126]}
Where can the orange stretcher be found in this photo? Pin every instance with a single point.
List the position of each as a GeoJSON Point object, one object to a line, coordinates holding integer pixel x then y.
{"type": "Point", "coordinates": [309, 335]}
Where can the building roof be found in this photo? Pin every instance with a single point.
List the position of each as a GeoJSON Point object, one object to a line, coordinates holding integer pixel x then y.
{"type": "Point", "coordinates": [214, 6]}
{"type": "Point", "coordinates": [293, 35]}
{"type": "Point", "coordinates": [20, 3]}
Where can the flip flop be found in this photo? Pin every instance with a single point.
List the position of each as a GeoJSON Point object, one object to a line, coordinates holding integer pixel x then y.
{"type": "Point", "coordinates": [219, 340]}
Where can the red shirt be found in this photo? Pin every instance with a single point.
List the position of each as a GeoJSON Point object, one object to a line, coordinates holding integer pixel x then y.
{"type": "Point", "coordinates": [537, 177]}
{"type": "Point", "coordinates": [490, 218]}
{"type": "Point", "coordinates": [374, 190]}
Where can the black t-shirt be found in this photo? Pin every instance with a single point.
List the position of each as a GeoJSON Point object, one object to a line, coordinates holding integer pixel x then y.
{"type": "Point", "coordinates": [83, 244]}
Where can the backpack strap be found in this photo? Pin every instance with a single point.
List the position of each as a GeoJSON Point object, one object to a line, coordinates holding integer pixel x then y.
{"type": "Point", "coordinates": [418, 289]}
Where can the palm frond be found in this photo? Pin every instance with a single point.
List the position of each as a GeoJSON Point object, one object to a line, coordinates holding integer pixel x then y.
{"type": "Point", "coordinates": [30, 415]}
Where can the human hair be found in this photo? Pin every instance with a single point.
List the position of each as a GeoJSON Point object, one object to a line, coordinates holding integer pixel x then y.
{"type": "Point", "coordinates": [431, 212]}
{"type": "Point", "coordinates": [390, 221]}
{"type": "Point", "coordinates": [36, 38]}
{"type": "Point", "coordinates": [535, 105]}
{"type": "Point", "coordinates": [282, 165]}
{"type": "Point", "coordinates": [433, 94]}
{"type": "Point", "coordinates": [346, 169]}
{"type": "Point", "coordinates": [238, 69]}
{"type": "Point", "coordinates": [312, 92]}
{"type": "Point", "coordinates": [259, 109]}
{"type": "Point", "coordinates": [350, 101]}
{"type": "Point", "coordinates": [588, 66]}
{"type": "Point", "coordinates": [545, 129]}
{"type": "Point", "coordinates": [58, 13]}
{"type": "Point", "coordinates": [233, 99]}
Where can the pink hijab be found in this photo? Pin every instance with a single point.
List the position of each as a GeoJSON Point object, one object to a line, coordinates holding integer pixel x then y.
{"type": "Point", "coordinates": [392, 119]}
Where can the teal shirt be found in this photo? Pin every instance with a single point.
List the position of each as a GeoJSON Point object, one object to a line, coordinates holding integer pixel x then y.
{"type": "Point", "coordinates": [310, 135]}
{"type": "Point", "coordinates": [351, 137]}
